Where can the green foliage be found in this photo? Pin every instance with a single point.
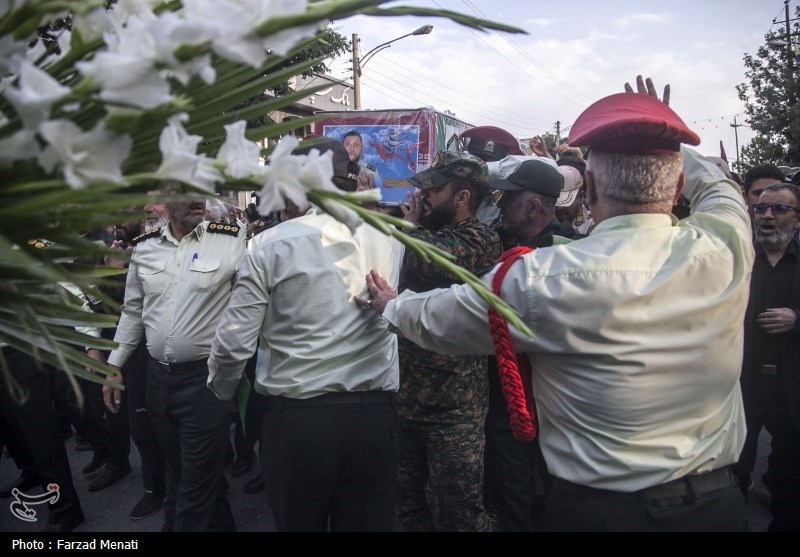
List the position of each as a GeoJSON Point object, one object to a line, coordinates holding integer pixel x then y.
{"type": "Point", "coordinates": [772, 103]}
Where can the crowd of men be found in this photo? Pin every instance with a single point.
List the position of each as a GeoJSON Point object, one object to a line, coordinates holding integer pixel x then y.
{"type": "Point", "coordinates": [662, 296]}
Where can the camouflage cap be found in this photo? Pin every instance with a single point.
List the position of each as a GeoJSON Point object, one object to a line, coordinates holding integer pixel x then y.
{"type": "Point", "coordinates": [448, 165]}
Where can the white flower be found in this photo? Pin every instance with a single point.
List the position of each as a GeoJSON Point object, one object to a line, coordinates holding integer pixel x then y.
{"type": "Point", "coordinates": [281, 178]}
{"type": "Point", "coordinates": [180, 160]}
{"type": "Point", "coordinates": [11, 53]}
{"type": "Point", "coordinates": [34, 95]}
{"type": "Point", "coordinates": [19, 146]}
{"type": "Point", "coordinates": [93, 24]}
{"type": "Point", "coordinates": [239, 155]}
{"type": "Point", "coordinates": [84, 157]}
{"type": "Point", "coordinates": [126, 71]}
{"type": "Point", "coordinates": [224, 22]}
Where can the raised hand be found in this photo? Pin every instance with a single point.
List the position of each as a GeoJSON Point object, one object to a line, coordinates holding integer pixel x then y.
{"type": "Point", "coordinates": [646, 87]}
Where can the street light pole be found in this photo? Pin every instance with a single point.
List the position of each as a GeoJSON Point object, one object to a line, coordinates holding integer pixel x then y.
{"type": "Point", "coordinates": [359, 62]}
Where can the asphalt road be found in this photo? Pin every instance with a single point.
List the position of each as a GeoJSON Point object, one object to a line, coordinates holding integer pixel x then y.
{"type": "Point", "coordinates": [107, 510]}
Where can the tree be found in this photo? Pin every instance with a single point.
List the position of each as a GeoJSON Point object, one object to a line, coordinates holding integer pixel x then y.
{"type": "Point", "coordinates": [772, 103]}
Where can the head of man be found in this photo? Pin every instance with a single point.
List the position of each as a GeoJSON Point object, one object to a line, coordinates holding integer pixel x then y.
{"type": "Point", "coordinates": [184, 210]}
{"type": "Point", "coordinates": [528, 189]}
{"type": "Point", "coordinates": [568, 205]}
{"type": "Point", "coordinates": [757, 179]}
{"type": "Point", "coordinates": [353, 144]}
{"type": "Point", "coordinates": [155, 212]}
{"type": "Point", "coordinates": [776, 216]}
{"type": "Point", "coordinates": [451, 189]}
{"type": "Point", "coordinates": [490, 143]}
{"type": "Point", "coordinates": [635, 162]}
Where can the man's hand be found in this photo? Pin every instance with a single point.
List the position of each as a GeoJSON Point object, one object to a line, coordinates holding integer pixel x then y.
{"type": "Point", "coordinates": [646, 87]}
{"type": "Point", "coordinates": [113, 397]}
{"type": "Point", "coordinates": [412, 209]}
{"type": "Point", "coordinates": [538, 147]}
{"type": "Point", "coordinates": [564, 149]}
{"type": "Point", "coordinates": [382, 293]}
{"type": "Point", "coordinates": [366, 180]}
{"type": "Point", "coordinates": [775, 321]}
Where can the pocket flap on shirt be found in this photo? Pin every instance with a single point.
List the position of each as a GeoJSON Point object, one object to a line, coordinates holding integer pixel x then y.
{"type": "Point", "coordinates": [204, 265]}
{"type": "Point", "coordinates": [151, 267]}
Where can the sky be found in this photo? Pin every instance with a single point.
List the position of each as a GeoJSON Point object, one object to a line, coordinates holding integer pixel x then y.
{"type": "Point", "coordinates": [574, 52]}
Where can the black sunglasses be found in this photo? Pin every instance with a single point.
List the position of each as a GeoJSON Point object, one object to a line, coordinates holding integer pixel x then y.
{"type": "Point", "coordinates": [777, 208]}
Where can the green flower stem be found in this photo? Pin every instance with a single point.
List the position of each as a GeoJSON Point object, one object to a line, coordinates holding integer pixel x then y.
{"type": "Point", "coordinates": [389, 225]}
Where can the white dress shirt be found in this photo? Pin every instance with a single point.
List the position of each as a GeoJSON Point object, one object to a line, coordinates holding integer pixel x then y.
{"type": "Point", "coordinates": [296, 291]}
{"type": "Point", "coordinates": [175, 292]}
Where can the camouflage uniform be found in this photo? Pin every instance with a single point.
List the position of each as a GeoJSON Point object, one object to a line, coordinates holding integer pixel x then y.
{"type": "Point", "coordinates": [443, 401]}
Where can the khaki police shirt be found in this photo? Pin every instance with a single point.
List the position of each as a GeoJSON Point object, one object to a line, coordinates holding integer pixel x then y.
{"type": "Point", "coordinates": [176, 291]}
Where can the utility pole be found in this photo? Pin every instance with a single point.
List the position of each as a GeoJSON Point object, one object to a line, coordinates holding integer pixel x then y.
{"type": "Point", "coordinates": [558, 132]}
{"type": "Point", "coordinates": [736, 127]}
{"type": "Point", "coordinates": [356, 74]}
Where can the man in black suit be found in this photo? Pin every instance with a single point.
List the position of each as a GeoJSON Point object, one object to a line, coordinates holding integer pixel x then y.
{"type": "Point", "coordinates": [771, 367]}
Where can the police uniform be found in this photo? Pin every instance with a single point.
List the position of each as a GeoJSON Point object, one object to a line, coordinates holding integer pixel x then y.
{"type": "Point", "coordinates": [175, 292]}
{"type": "Point", "coordinates": [443, 399]}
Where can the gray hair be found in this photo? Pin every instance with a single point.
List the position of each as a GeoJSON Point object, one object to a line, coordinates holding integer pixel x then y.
{"type": "Point", "coordinates": [637, 179]}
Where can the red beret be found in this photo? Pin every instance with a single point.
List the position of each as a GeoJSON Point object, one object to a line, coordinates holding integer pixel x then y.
{"type": "Point", "coordinates": [491, 143]}
{"type": "Point", "coordinates": [631, 123]}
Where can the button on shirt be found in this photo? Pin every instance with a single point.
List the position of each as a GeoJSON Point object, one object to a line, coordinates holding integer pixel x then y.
{"type": "Point", "coordinates": [296, 291]}
{"type": "Point", "coordinates": [639, 338]}
{"type": "Point", "coordinates": [175, 292]}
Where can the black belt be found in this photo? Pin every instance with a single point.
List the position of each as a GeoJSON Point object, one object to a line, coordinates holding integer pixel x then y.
{"type": "Point", "coordinates": [767, 369]}
{"type": "Point", "coordinates": [690, 485]}
{"type": "Point", "coordinates": [351, 398]}
{"type": "Point", "coordinates": [181, 367]}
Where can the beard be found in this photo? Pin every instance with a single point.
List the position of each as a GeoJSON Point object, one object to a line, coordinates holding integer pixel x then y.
{"type": "Point", "coordinates": [779, 239]}
{"type": "Point", "coordinates": [437, 217]}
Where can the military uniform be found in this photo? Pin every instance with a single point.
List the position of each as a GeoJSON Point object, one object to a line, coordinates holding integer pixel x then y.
{"type": "Point", "coordinates": [443, 400]}
{"type": "Point", "coordinates": [175, 293]}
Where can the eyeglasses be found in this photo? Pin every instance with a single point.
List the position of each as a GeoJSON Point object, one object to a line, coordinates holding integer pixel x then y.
{"type": "Point", "coordinates": [777, 208]}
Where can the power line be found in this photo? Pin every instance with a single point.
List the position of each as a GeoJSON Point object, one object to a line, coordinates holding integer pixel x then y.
{"type": "Point", "coordinates": [583, 97]}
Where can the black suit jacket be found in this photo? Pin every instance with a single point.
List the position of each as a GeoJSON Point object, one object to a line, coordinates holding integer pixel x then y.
{"type": "Point", "coordinates": [790, 368]}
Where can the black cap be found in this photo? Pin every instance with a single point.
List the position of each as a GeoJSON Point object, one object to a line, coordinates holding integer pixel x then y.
{"type": "Point", "coordinates": [532, 175]}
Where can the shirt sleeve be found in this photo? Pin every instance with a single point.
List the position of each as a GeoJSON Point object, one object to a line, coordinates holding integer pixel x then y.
{"type": "Point", "coordinates": [74, 290]}
{"type": "Point", "coordinates": [236, 336]}
{"type": "Point", "coordinates": [130, 328]}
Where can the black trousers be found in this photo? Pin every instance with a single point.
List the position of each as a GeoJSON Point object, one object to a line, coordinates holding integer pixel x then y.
{"type": "Point", "coordinates": [574, 508]}
{"type": "Point", "coordinates": [330, 462]}
{"type": "Point", "coordinates": [36, 419]}
{"type": "Point", "coordinates": [193, 429]}
{"type": "Point", "coordinates": [515, 476]}
{"type": "Point", "coordinates": [765, 406]}
{"type": "Point", "coordinates": [141, 428]}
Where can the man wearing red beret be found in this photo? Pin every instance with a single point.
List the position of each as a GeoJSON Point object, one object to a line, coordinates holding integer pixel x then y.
{"type": "Point", "coordinates": [638, 331]}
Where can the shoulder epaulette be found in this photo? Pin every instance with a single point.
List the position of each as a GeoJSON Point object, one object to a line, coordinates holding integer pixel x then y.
{"type": "Point", "coordinates": [368, 166]}
{"type": "Point", "coordinates": [146, 236]}
{"type": "Point", "coordinates": [39, 243]}
{"type": "Point", "coordinates": [222, 228]}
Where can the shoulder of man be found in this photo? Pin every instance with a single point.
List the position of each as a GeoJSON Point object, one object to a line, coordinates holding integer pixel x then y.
{"type": "Point", "coordinates": [222, 228]}
{"type": "Point", "coordinates": [150, 234]}
{"type": "Point", "coordinates": [367, 166]}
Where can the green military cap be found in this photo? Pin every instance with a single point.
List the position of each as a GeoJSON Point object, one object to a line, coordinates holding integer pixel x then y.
{"type": "Point", "coordinates": [448, 165]}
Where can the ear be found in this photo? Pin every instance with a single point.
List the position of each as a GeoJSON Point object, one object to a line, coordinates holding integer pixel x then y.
{"type": "Point", "coordinates": [591, 193]}
{"type": "Point", "coordinates": [462, 198]}
{"type": "Point", "coordinates": [679, 188]}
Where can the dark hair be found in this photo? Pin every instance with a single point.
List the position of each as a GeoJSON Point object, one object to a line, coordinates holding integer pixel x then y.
{"type": "Point", "coordinates": [764, 170]}
{"type": "Point", "coordinates": [575, 162]}
{"type": "Point", "coordinates": [476, 192]}
{"type": "Point", "coordinates": [352, 133]}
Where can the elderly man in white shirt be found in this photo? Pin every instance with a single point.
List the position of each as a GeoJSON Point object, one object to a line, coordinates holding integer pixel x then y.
{"type": "Point", "coordinates": [638, 332]}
